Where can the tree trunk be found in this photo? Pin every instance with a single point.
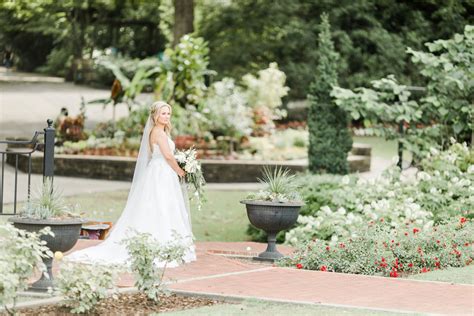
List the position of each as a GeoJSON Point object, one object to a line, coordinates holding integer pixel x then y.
{"type": "Point", "coordinates": [183, 19]}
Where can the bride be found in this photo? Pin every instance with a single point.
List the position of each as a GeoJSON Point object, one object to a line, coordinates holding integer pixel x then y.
{"type": "Point", "coordinates": [155, 202]}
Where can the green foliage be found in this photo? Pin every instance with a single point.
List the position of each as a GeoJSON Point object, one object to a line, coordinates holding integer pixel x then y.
{"type": "Point", "coordinates": [21, 255]}
{"type": "Point", "coordinates": [329, 138]}
{"type": "Point", "coordinates": [149, 259]}
{"type": "Point", "coordinates": [47, 203]}
{"type": "Point", "coordinates": [83, 285]}
{"type": "Point", "coordinates": [279, 186]}
{"type": "Point", "coordinates": [450, 90]}
{"type": "Point", "coordinates": [39, 28]}
{"type": "Point", "coordinates": [381, 250]}
{"type": "Point", "coordinates": [339, 207]}
{"type": "Point", "coordinates": [370, 35]}
{"type": "Point", "coordinates": [182, 80]}
{"type": "Point", "coordinates": [445, 112]}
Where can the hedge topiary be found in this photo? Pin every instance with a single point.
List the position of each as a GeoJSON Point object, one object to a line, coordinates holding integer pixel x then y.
{"type": "Point", "coordinates": [329, 138]}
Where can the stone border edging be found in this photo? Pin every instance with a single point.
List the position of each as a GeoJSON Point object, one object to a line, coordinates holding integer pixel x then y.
{"type": "Point", "coordinates": [122, 168]}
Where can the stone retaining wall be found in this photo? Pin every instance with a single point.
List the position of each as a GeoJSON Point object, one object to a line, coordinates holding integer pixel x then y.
{"type": "Point", "coordinates": [215, 171]}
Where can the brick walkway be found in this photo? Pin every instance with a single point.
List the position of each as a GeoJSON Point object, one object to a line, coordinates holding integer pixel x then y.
{"type": "Point", "coordinates": [217, 273]}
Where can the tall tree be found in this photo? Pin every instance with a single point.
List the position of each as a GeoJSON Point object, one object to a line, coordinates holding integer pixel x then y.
{"type": "Point", "coordinates": [329, 138]}
{"type": "Point", "coordinates": [183, 19]}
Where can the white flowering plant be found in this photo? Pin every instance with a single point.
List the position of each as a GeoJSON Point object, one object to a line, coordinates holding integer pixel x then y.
{"type": "Point", "coordinates": [187, 160]}
{"type": "Point", "coordinates": [264, 94]}
{"type": "Point", "coordinates": [339, 207]}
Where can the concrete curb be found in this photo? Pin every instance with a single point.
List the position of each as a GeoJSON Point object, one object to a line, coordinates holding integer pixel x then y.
{"type": "Point", "coordinates": [242, 298]}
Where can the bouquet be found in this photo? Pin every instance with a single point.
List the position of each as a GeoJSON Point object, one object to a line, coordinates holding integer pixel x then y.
{"type": "Point", "coordinates": [188, 162]}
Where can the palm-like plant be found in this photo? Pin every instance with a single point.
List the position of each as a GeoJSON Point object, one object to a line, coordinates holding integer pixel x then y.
{"type": "Point", "coordinates": [279, 186]}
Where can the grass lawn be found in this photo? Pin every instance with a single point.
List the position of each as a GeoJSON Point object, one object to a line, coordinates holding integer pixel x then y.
{"type": "Point", "coordinates": [222, 217]}
{"type": "Point", "coordinates": [258, 308]}
{"type": "Point", "coordinates": [463, 275]}
{"type": "Point", "coordinates": [381, 148]}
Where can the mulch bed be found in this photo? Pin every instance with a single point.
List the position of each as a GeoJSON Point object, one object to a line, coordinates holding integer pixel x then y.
{"type": "Point", "coordinates": [128, 304]}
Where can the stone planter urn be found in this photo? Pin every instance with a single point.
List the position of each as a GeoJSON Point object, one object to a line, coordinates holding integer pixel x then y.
{"type": "Point", "coordinates": [66, 233]}
{"type": "Point", "coordinates": [271, 217]}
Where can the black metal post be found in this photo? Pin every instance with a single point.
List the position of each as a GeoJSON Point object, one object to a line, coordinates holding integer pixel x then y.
{"type": "Point", "coordinates": [400, 145]}
{"type": "Point", "coordinates": [48, 160]}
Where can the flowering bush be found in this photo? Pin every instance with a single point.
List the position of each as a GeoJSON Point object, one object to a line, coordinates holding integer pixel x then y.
{"type": "Point", "coordinates": [227, 111]}
{"type": "Point", "coordinates": [149, 259]}
{"type": "Point", "coordinates": [264, 94]}
{"type": "Point", "coordinates": [187, 160]}
{"type": "Point", "coordinates": [381, 250]}
{"type": "Point", "coordinates": [83, 286]}
{"type": "Point", "coordinates": [21, 253]}
{"type": "Point", "coordinates": [343, 205]}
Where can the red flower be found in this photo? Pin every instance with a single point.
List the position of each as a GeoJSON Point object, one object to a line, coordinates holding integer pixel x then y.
{"type": "Point", "coordinates": [410, 264]}
{"type": "Point", "coordinates": [437, 264]}
{"type": "Point", "coordinates": [341, 245]}
{"type": "Point", "coordinates": [466, 244]}
{"type": "Point", "coordinates": [463, 220]}
{"type": "Point", "coordinates": [299, 266]}
{"type": "Point", "coordinates": [323, 268]}
{"type": "Point", "coordinates": [327, 248]}
{"type": "Point", "coordinates": [437, 241]}
{"type": "Point", "coordinates": [394, 273]}
{"type": "Point", "coordinates": [424, 270]}
{"type": "Point", "coordinates": [415, 230]}
{"type": "Point", "coordinates": [406, 234]}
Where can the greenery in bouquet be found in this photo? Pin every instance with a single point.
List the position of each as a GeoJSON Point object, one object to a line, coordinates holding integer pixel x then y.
{"type": "Point", "coordinates": [187, 160]}
{"type": "Point", "coordinates": [279, 186]}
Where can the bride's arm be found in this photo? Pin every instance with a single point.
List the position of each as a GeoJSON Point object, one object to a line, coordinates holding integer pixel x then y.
{"type": "Point", "coordinates": [162, 141]}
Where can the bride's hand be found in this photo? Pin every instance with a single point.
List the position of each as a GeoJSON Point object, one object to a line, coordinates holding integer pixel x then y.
{"type": "Point", "coordinates": [181, 173]}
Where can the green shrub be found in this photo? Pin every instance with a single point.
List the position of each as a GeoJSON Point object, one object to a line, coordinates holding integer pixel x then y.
{"type": "Point", "coordinates": [149, 259]}
{"type": "Point", "coordinates": [381, 250]}
{"type": "Point", "coordinates": [83, 285]}
{"type": "Point", "coordinates": [21, 255]}
{"type": "Point", "coordinates": [329, 138]}
{"type": "Point", "coordinates": [349, 203]}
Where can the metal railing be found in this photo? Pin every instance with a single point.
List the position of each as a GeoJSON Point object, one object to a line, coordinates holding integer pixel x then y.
{"type": "Point", "coordinates": [28, 147]}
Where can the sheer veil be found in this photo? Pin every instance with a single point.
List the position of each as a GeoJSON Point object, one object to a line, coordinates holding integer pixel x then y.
{"type": "Point", "coordinates": [144, 155]}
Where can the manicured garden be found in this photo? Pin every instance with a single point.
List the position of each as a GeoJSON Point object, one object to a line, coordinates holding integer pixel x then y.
{"type": "Point", "coordinates": [405, 89]}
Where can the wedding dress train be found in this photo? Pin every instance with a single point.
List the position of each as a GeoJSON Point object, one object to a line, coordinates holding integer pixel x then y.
{"type": "Point", "coordinates": [155, 205]}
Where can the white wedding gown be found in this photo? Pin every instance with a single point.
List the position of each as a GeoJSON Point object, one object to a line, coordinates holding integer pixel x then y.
{"type": "Point", "coordinates": [155, 205]}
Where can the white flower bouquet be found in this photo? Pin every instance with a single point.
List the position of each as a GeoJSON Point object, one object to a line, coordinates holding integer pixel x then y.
{"type": "Point", "coordinates": [187, 160]}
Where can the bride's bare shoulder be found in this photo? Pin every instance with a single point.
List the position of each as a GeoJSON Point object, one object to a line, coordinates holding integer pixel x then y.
{"type": "Point", "coordinates": [157, 133]}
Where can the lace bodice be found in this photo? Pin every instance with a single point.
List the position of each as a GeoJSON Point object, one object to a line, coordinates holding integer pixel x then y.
{"type": "Point", "coordinates": [156, 154]}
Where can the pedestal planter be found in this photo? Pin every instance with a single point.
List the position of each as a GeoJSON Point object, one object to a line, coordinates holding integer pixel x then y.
{"type": "Point", "coordinates": [66, 234]}
{"type": "Point", "coordinates": [271, 217]}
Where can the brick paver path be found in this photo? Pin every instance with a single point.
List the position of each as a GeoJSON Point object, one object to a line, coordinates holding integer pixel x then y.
{"type": "Point", "coordinates": [216, 273]}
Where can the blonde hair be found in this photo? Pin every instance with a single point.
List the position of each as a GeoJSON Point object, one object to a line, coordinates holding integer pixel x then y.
{"type": "Point", "coordinates": [155, 109]}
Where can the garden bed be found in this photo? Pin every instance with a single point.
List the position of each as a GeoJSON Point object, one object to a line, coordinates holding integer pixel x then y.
{"type": "Point", "coordinates": [215, 171]}
{"type": "Point", "coordinates": [128, 304]}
